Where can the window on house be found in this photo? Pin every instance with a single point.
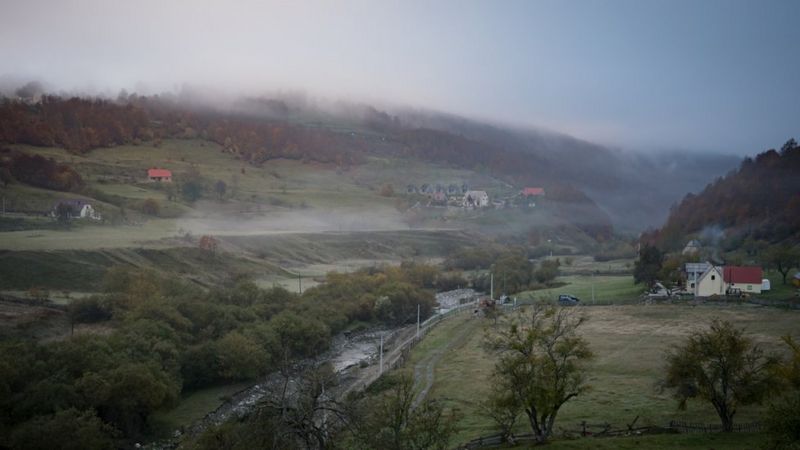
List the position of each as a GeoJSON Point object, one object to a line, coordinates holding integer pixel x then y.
{"type": "Point", "coordinates": [692, 284]}
{"type": "Point", "coordinates": [749, 287]}
{"type": "Point", "coordinates": [713, 277]}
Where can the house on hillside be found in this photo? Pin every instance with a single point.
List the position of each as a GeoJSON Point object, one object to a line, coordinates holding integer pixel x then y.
{"type": "Point", "coordinates": [439, 197]}
{"type": "Point", "coordinates": [159, 175]}
{"type": "Point", "coordinates": [476, 199]}
{"type": "Point", "coordinates": [532, 192]}
{"type": "Point", "coordinates": [78, 209]}
{"type": "Point", "coordinates": [692, 247]}
{"type": "Point", "coordinates": [746, 280]}
{"type": "Point", "coordinates": [411, 189]}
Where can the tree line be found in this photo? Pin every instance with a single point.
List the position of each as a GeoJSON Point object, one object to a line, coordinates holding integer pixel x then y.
{"type": "Point", "coordinates": [167, 337]}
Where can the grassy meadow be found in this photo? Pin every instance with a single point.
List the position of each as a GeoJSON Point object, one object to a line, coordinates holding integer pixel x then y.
{"type": "Point", "coordinates": [628, 342]}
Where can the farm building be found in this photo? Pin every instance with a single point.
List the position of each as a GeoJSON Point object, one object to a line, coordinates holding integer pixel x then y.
{"type": "Point", "coordinates": [476, 199]}
{"type": "Point", "coordinates": [532, 192]}
{"type": "Point", "coordinates": [159, 175]}
{"type": "Point", "coordinates": [79, 209]}
{"type": "Point", "coordinates": [716, 280]}
{"type": "Point", "coordinates": [744, 279]}
{"type": "Point", "coordinates": [692, 247]}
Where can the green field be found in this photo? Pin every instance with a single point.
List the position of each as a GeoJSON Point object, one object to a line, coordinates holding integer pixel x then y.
{"type": "Point", "coordinates": [628, 341]}
{"type": "Point", "coordinates": [607, 289]}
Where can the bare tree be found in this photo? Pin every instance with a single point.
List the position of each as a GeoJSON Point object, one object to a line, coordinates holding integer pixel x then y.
{"type": "Point", "coordinates": [541, 363]}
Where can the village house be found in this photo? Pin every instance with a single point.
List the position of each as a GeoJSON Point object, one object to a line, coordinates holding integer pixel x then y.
{"type": "Point", "coordinates": [723, 280]}
{"type": "Point", "coordinates": [711, 282]}
{"type": "Point", "coordinates": [79, 209]}
{"type": "Point", "coordinates": [476, 199]}
{"type": "Point", "coordinates": [532, 192]}
{"type": "Point", "coordinates": [159, 175]}
{"type": "Point", "coordinates": [692, 247]}
{"type": "Point", "coordinates": [742, 279]}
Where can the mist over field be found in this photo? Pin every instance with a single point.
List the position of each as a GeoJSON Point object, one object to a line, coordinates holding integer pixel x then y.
{"type": "Point", "coordinates": [309, 221]}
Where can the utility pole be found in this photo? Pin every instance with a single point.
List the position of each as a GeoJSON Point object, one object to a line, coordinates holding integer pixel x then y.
{"type": "Point", "coordinates": [491, 286]}
{"type": "Point", "coordinates": [417, 320]}
{"type": "Point", "coordinates": [380, 371]}
{"type": "Point", "coordinates": [299, 283]}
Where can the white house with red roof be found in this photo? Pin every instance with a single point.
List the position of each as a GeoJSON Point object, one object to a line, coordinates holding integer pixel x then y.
{"type": "Point", "coordinates": [745, 279]}
{"type": "Point", "coordinates": [159, 174]}
{"type": "Point", "coordinates": [725, 280]}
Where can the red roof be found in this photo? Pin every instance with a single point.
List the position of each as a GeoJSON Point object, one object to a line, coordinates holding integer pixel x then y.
{"type": "Point", "coordinates": [533, 191]}
{"type": "Point", "coordinates": [741, 275]}
{"type": "Point", "coordinates": [159, 173]}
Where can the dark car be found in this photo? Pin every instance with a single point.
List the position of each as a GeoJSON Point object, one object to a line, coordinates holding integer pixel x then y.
{"type": "Point", "coordinates": [568, 300]}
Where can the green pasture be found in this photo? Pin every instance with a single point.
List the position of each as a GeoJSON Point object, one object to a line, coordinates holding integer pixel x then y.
{"type": "Point", "coordinates": [628, 342]}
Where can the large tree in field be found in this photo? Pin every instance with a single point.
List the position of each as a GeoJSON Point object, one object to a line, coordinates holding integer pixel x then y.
{"type": "Point", "coordinates": [722, 366]}
{"type": "Point", "coordinates": [541, 363]}
{"type": "Point", "coordinates": [782, 258]}
{"type": "Point", "coordinates": [783, 420]}
{"type": "Point", "coordinates": [647, 267]}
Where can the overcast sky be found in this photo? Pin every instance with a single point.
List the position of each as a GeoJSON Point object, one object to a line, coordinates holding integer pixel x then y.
{"type": "Point", "coordinates": [699, 74]}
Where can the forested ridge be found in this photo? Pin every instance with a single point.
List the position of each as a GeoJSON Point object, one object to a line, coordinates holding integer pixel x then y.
{"type": "Point", "coordinates": [760, 201]}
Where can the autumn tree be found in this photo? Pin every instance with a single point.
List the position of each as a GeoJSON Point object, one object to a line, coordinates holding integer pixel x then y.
{"type": "Point", "coordinates": [208, 243]}
{"type": "Point", "coordinates": [541, 363]}
{"type": "Point", "coordinates": [387, 190]}
{"type": "Point", "coordinates": [151, 207]}
{"type": "Point", "coordinates": [512, 271]}
{"type": "Point", "coordinates": [782, 258]}
{"type": "Point", "coordinates": [722, 366]}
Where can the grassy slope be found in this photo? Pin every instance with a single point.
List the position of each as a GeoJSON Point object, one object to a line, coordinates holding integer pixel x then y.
{"type": "Point", "coordinates": [628, 342]}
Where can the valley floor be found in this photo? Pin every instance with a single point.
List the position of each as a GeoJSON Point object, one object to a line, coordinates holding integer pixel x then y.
{"type": "Point", "coordinates": [629, 343]}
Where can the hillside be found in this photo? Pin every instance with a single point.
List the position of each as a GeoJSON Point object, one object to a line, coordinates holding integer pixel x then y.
{"type": "Point", "coordinates": [759, 201]}
{"type": "Point", "coordinates": [258, 130]}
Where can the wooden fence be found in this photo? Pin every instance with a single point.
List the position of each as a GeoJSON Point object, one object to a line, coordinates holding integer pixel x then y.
{"type": "Point", "coordinates": [690, 427]}
{"type": "Point", "coordinates": [607, 430]}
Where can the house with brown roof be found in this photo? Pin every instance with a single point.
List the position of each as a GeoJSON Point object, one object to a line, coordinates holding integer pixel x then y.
{"type": "Point", "coordinates": [159, 175]}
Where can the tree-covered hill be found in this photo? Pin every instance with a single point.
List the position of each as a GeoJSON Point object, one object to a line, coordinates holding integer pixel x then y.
{"type": "Point", "coordinates": [759, 201]}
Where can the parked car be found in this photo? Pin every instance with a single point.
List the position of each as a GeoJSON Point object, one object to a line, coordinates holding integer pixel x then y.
{"type": "Point", "coordinates": [568, 300]}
